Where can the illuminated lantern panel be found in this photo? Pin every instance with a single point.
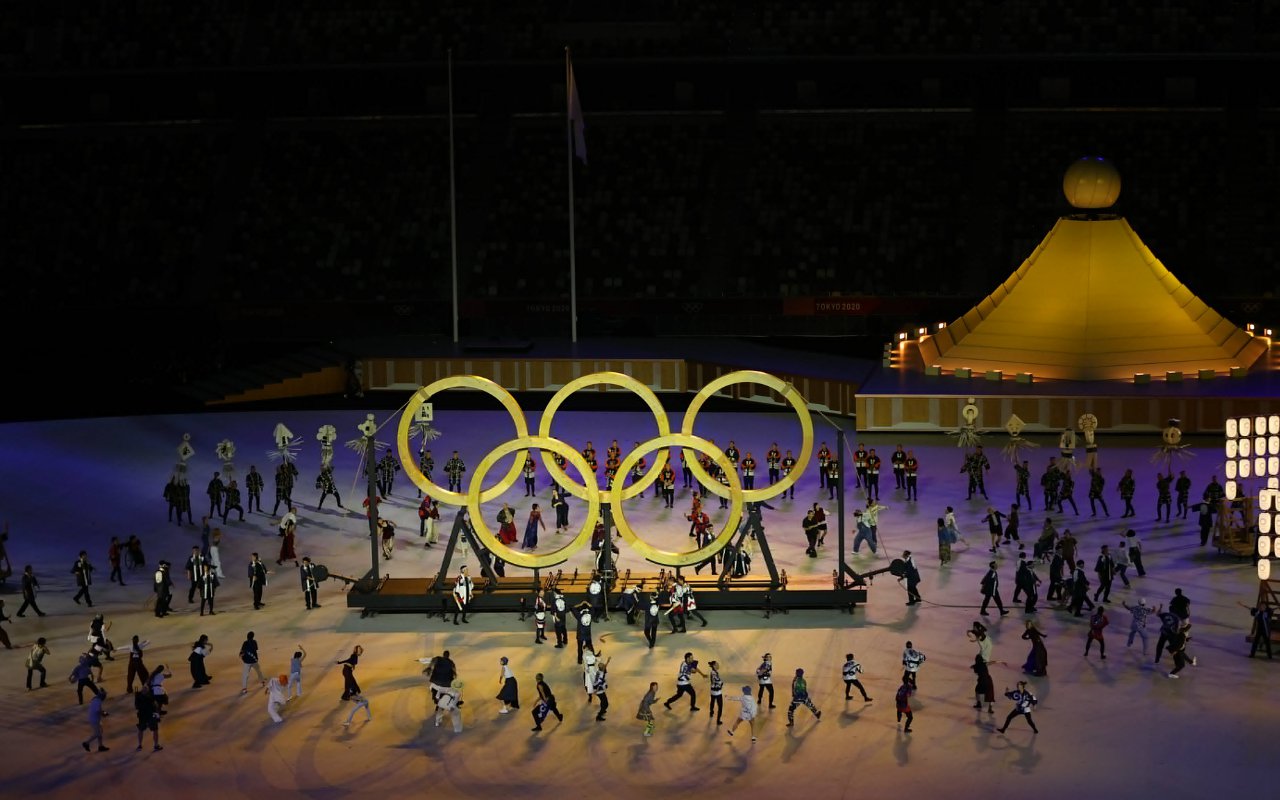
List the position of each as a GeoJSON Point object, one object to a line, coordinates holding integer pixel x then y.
{"type": "Point", "coordinates": [1232, 430]}
{"type": "Point", "coordinates": [1231, 490]}
{"type": "Point", "coordinates": [1264, 569]}
{"type": "Point", "coordinates": [1260, 467]}
{"type": "Point", "coordinates": [1266, 499]}
{"type": "Point", "coordinates": [1264, 546]}
{"type": "Point", "coordinates": [1244, 469]}
{"type": "Point", "coordinates": [1273, 424]}
{"type": "Point", "coordinates": [1273, 445]}
{"type": "Point", "coordinates": [1273, 468]}
{"type": "Point", "coordinates": [1260, 446]}
{"type": "Point", "coordinates": [1246, 427]}
{"type": "Point", "coordinates": [1245, 448]}
{"type": "Point", "coordinates": [1230, 467]}
{"type": "Point", "coordinates": [1260, 424]}
{"type": "Point", "coordinates": [1264, 526]}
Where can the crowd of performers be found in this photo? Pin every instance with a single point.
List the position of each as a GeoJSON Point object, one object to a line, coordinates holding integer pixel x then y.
{"type": "Point", "coordinates": [671, 601]}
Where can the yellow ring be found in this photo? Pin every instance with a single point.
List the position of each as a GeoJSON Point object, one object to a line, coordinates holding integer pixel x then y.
{"type": "Point", "coordinates": [519, 557]}
{"type": "Point", "coordinates": [666, 557]}
{"type": "Point", "coordinates": [792, 396]}
{"type": "Point", "coordinates": [620, 380]}
{"type": "Point", "coordinates": [410, 464]}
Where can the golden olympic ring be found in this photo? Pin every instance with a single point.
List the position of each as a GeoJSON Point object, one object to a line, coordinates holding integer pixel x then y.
{"type": "Point", "coordinates": [667, 557]}
{"type": "Point", "coordinates": [410, 464]}
{"type": "Point", "coordinates": [792, 396]}
{"type": "Point", "coordinates": [618, 379]}
{"type": "Point", "coordinates": [518, 557]}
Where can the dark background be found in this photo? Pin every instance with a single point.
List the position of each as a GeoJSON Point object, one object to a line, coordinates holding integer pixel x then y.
{"type": "Point", "coordinates": [186, 187]}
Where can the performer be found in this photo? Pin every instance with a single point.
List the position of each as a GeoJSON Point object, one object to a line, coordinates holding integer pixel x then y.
{"type": "Point", "coordinates": [194, 569]}
{"type": "Point", "coordinates": [1183, 488]}
{"type": "Point", "coordinates": [171, 494]}
{"type": "Point", "coordinates": [1105, 568]}
{"type": "Point", "coordinates": [231, 502]}
{"type": "Point", "coordinates": [985, 688]}
{"type": "Point", "coordinates": [137, 669]}
{"type": "Point", "coordinates": [454, 468]}
{"type": "Point", "coordinates": [911, 661]}
{"type": "Point", "coordinates": [1127, 487]}
{"type": "Point", "coordinates": [1079, 590]}
{"type": "Point", "coordinates": [184, 501]}
{"type": "Point", "coordinates": [295, 672]}
{"type": "Point", "coordinates": [1066, 492]}
{"type": "Point", "coordinates": [199, 652]}
{"type": "Point", "coordinates": [1023, 472]}
{"type": "Point", "coordinates": [546, 704]}
{"type": "Point", "coordinates": [833, 478]}
{"type": "Point", "coordinates": [208, 588]}
{"type": "Point", "coordinates": [539, 618]}
{"type": "Point", "coordinates": [1135, 551]}
{"type": "Point", "coordinates": [253, 484]}
{"type": "Point", "coordinates": [562, 463]}
{"type": "Point", "coordinates": [764, 677]}
{"type": "Point", "coordinates": [600, 687]}
{"type": "Point", "coordinates": [800, 697]}
{"type": "Point", "coordinates": [903, 701]}
{"type": "Point", "coordinates": [994, 526]}
{"type": "Point", "coordinates": [285, 476]}
{"type": "Point", "coordinates": [426, 465]}
{"type": "Point", "coordinates": [872, 478]}
{"type": "Point", "coordinates": [448, 701]}
{"type": "Point", "coordinates": [1097, 623]}
{"type": "Point", "coordinates": [1164, 499]}
{"type": "Point", "coordinates": [326, 485]}
{"type": "Point", "coordinates": [788, 464]}
{"type": "Point", "coordinates": [912, 577]}
{"type": "Point", "coordinates": [1023, 702]}
{"type": "Point", "coordinates": [215, 492]}
{"type": "Point", "coordinates": [684, 685]}
{"type": "Point", "coordinates": [560, 610]}
{"type": "Point", "coordinates": [774, 459]}
{"type": "Point", "coordinates": [83, 571]}
{"type": "Point", "coordinates": [1037, 662]}
{"type": "Point", "coordinates": [531, 529]}
{"type": "Point", "coordinates": [289, 532]}
{"type": "Point", "coordinates": [1178, 649]}
{"type": "Point", "coordinates": [1096, 484]}
{"type": "Point", "coordinates": [810, 525]}
{"type": "Point", "coordinates": [257, 580]}
{"type": "Point", "coordinates": [651, 615]}
{"type": "Point", "coordinates": [276, 697]}
{"type": "Point", "coordinates": [163, 587]}
{"type": "Point", "coordinates": [1049, 483]}
{"type": "Point", "coordinates": [748, 471]}
{"type": "Point", "coordinates": [582, 613]}
{"type": "Point", "coordinates": [637, 472]}
{"type": "Point", "coordinates": [911, 471]}
{"type": "Point", "coordinates": [463, 589]}
{"type": "Point", "coordinates": [899, 461]}
{"type": "Point", "coordinates": [1029, 583]}
{"type": "Point", "coordinates": [975, 466]}
{"type": "Point", "coordinates": [387, 468]}
{"type": "Point", "coordinates": [310, 591]}
{"type": "Point", "coordinates": [560, 503]}
{"type": "Point", "coordinates": [1138, 623]}
{"type": "Point", "coordinates": [991, 590]}
{"type": "Point", "coordinates": [530, 472]}
{"type": "Point", "coordinates": [850, 672]}
{"type": "Point", "coordinates": [747, 714]}
{"type": "Point", "coordinates": [387, 535]}
{"type": "Point", "coordinates": [860, 466]}
{"type": "Point", "coordinates": [645, 713]}
{"type": "Point", "coordinates": [349, 685]}
{"type": "Point", "coordinates": [824, 458]}
{"type": "Point", "coordinates": [509, 694]}
{"type": "Point", "coordinates": [667, 485]}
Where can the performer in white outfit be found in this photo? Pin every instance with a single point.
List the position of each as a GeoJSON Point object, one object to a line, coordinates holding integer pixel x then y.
{"type": "Point", "coordinates": [277, 696]}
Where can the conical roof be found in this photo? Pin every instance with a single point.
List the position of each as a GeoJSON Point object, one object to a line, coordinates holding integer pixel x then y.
{"type": "Point", "coordinates": [1092, 303]}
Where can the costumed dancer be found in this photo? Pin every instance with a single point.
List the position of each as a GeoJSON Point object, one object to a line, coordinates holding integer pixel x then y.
{"type": "Point", "coordinates": [850, 672]}
{"type": "Point", "coordinates": [800, 697]}
{"type": "Point", "coordinates": [1037, 662]}
{"type": "Point", "coordinates": [275, 691]}
{"type": "Point", "coordinates": [1023, 702]}
{"type": "Point", "coordinates": [463, 589]}
{"type": "Point", "coordinates": [326, 485]}
{"type": "Point", "coordinates": [985, 688]}
{"type": "Point", "coordinates": [747, 714]}
{"type": "Point", "coordinates": [509, 692]}
{"type": "Point", "coordinates": [253, 484]}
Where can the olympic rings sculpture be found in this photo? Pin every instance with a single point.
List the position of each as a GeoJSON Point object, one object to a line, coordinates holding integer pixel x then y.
{"type": "Point", "coordinates": [686, 440]}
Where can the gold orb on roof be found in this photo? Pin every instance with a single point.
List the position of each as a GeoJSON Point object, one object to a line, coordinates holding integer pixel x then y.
{"type": "Point", "coordinates": [1091, 182]}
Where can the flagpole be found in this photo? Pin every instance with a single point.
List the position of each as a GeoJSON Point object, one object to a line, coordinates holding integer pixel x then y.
{"type": "Point", "coordinates": [453, 207]}
{"type": "Point", "coordinates": [573, 260]}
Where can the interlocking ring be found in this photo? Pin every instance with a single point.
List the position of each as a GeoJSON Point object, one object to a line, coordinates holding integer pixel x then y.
{"type": "Point", "coordinates": [519, 557]}
{"type": "Point", "coordinates": [620, 380]}
{"type": "Point", "coordinates": [667, 557]}
{"type": "Point", "coordinates": [410, 464]}
{"type": "Point", "coordinates": [792, 396]}
{"type": "Point", "coordinates": [590, 490]}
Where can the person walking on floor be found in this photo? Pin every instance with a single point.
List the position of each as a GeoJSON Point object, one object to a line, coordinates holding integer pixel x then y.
{"type": "Point", "coordinates": [310, 587]}
{"type": "Point", "coordinates": [717, 692]}
{"type": "Point", "coordinates": [199, 652]}
{"type": "Point", "coordinates": [747, 714]}
{"type": "Point", "coordinates": [295, 672]}
{"type": "Point", "coordinates": [277, 695]}
{"type": "Point", "coordinates": [95, 722]}
{"type": "Point", "coordinates": [546, 704]}
{"type": "Point", "coordinates": [903, 702]}
{"type": "Point", "coordinates": [1097, 623]}
{"type": "Point", "coordinates": [912, 576]}
{"type": "Point", "coordinates": [30, 587]}
{"type": "Point", "coordinates": [800, 697]}
{"type": "Point", "coordinates": [1023, 702]}
{"type": "Point", "coordinates": [1127, 487]}
{"type": "Point", "coordinates": [1105, 569]}
{"type": "Point", "coordinates": [991, 590]}
{"type": "Point", "coordinates": [1079, 591]}
{"type": "Point", "coordinates": [249, 662]}
{"type": "Point", "coordinates": [83, 571]}
{"type": "Point", "coordinates": [359, 701]}
{"type": "Point", "coordinates": [137, 669]}
{"type": "Point", "coordinates": [509, 691]}
{"type": "Point", "coordinates": [1135, 551]}
{"type": "Point", "coordinates": [684, 683]}
{"type": "Point", "coordinates": [600, 687]}
{"type": "Point", "coordinates": [985, 688]}
{"type": "Point", "coordinates": [645, 712]}
{"type": "Point", "coordinates": [850, 672]}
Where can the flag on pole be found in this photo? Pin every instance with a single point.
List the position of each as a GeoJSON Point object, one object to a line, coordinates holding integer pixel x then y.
{"type": "Point", "coordinates": [575, 118]}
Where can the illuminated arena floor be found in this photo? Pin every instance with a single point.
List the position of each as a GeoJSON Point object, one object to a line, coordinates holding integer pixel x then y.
{"type": "Point", "coordinates": [1117, 728]}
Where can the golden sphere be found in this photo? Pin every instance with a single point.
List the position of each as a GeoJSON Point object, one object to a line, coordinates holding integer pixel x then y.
{"type": "Point", "coordinates": [1091, 182]}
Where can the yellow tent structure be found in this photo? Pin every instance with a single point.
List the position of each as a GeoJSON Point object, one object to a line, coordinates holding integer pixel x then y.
{"type": "Point", "coordinates": [1092, 303]}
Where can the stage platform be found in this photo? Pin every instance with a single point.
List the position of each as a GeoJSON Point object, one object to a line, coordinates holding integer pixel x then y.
{"type": "Point", "coordinates": [901, 397]}
{"type": "Point", "coordinates": [514, 594]}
